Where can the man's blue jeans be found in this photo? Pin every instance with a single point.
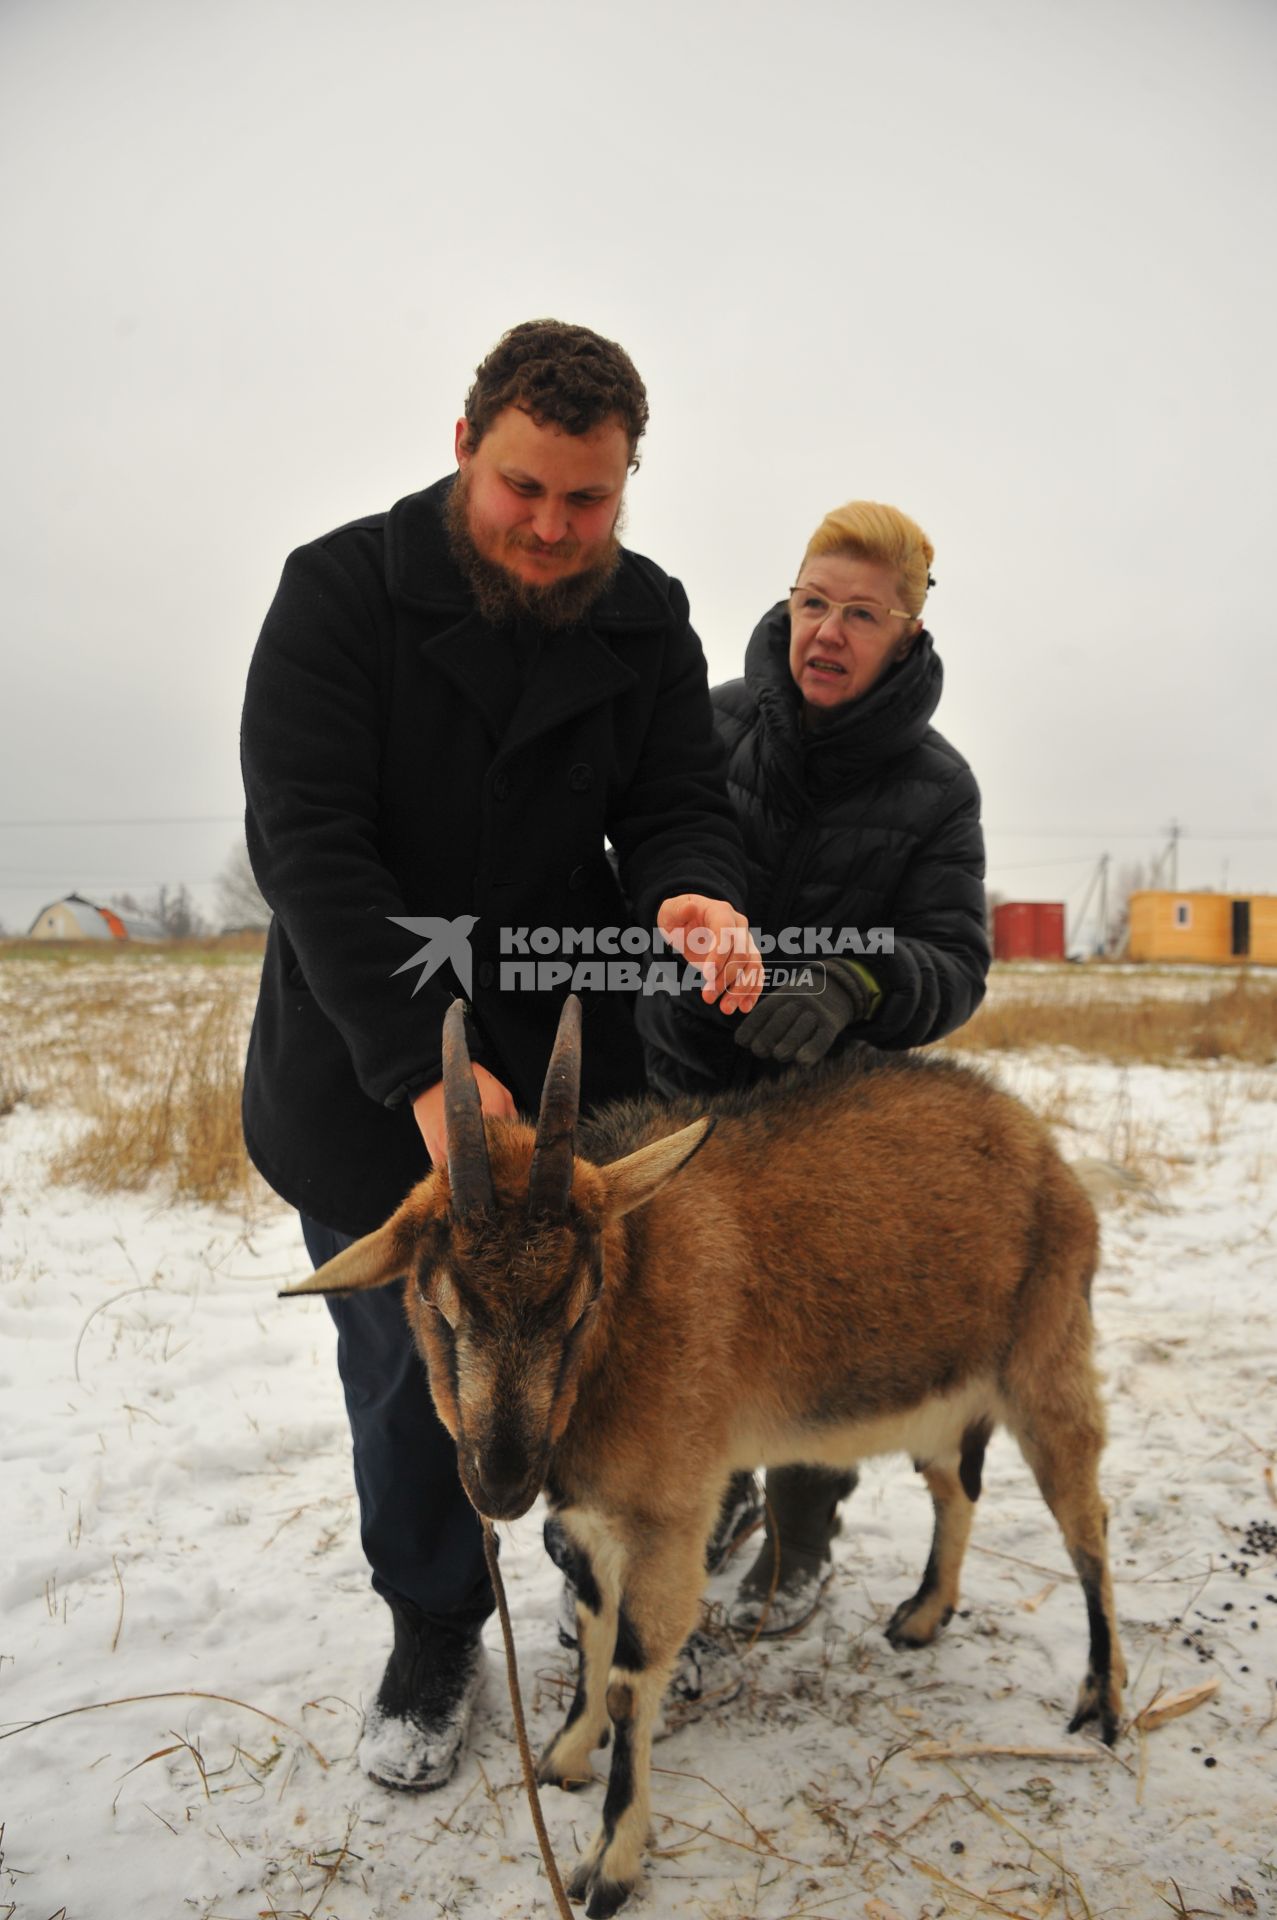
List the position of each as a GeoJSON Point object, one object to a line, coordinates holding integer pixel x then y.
{"type": "Point", "coordinates": [420, 1534]}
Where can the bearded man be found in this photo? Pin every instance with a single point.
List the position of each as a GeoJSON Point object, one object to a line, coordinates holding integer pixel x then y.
{"type": "Point", "coordinates": [452, 706]}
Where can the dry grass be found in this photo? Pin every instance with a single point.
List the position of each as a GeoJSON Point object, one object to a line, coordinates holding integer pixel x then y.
{"type": "Point", "coordinates": [178, 1121]}
{"type": "Point", "coordinates": [13, 1086]}
{"type": "Point", "coordinates": [209, 950]}
{"type": "Point", "coordinates": [1233, 1022]}
{"type": "Point", "coordinates": [148, 1044]}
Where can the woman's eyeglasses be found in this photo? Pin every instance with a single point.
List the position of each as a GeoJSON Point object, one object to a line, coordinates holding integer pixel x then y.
{"type": "Point", "coordinates": [808, 605]}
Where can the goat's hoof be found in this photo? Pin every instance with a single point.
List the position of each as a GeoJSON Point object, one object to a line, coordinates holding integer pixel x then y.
{"type": "Point", "coordinates": [565, 1762]}
{"type": "Point", "coordinates": [608, 1897]}
{"type": "Point", "coordinates": [603, 1897]}
{"type": "Point", "coordinates": [1091, 1707]}
{"type": "Point", "coordinates": [913, 1625]}
{"type": "Point", "coordinates": [578, 1881]}
{"type": "Point", "coordinates": [1099, 1700]}
{"type": "Point", "coordinates": [602, 1894]}
{"type": "Point", "coordinates": [552, 1774]}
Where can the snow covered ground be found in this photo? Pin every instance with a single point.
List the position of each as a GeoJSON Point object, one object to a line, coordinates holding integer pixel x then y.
{"type": "Point", "coordinates": [187, 1637]}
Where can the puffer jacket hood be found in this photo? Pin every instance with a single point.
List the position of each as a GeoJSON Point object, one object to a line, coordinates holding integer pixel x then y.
{"type": "Point", "coordinates": [890, 720]}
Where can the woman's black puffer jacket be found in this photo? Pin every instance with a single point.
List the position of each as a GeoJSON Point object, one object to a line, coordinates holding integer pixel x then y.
{"type": "Point", "coordinates": [870, 819]}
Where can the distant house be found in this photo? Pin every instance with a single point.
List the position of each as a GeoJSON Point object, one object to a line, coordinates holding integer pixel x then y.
{"type": "Point", "coordinates": [1204, 927]}
{"type": "Point", "coordinates": [75, 918]}
{"type": "Point", "coordinates": [1028, 930]}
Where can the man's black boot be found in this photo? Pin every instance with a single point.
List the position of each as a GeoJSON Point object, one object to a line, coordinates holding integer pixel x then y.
{"type": "Point", "coordinates": [416, 1727]}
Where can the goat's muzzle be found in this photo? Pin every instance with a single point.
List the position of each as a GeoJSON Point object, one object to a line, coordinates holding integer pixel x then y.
{"type": "Point", "coordinates": [497, 1495]}
{"type": "Point", "coordinates": [501, 1473]}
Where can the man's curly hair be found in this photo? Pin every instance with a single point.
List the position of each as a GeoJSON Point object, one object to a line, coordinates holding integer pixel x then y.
{"type": "Point", "coordinates": [562, 376]}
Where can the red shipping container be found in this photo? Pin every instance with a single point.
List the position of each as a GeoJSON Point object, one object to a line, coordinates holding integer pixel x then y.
{"type": "Point", "coordinates": [1028, 930]}
{"type": "Point", "coordinates": [1050, 918]}
{"type": "Point", "coordinates": [1013, 930]}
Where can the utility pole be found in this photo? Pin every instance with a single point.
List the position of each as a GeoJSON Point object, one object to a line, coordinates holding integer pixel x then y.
{"type": "Point", "coordinates": [1169, 857]}
{"type": "Point", "coordinates": [1104, 903]}
{"type": "Point", "coordinates": [1099, 875]}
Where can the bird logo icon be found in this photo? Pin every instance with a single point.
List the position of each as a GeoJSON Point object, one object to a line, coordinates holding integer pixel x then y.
{"type": "Point", "coordinates": [445, 940]}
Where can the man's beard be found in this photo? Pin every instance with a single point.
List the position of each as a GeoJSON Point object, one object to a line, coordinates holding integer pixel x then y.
{"type": "Point", "coordinates": [503, 598]}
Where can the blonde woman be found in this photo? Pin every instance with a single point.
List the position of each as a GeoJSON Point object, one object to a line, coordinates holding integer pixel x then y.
{"type": "Point", "coordinates": [865, 868]}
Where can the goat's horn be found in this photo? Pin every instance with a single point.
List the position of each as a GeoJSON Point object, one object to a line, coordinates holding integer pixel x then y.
{"type": "Point", "coordinates": [469, 1170]}
{"type": "Point", "coordinates": [550, 1179]}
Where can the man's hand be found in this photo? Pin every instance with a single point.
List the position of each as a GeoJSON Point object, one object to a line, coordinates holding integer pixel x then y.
{"type": "Point", "coordinates": [428, 1111]}
{"type": "Point", "coordinates": [715, 938]}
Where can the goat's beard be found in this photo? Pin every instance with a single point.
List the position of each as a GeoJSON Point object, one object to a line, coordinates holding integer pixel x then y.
{"type": "Point", "coordinates": [502, 597]}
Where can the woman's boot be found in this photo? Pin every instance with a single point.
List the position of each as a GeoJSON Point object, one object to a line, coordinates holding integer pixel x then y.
{"type": "Point", "coordinates": [782, 1589]}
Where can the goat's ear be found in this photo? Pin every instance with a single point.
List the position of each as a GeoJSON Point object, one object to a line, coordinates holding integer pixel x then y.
{"type": "Point", "coordinates": [374, 1261]}
{"type": "Point", "coordinates": [630, 1182]}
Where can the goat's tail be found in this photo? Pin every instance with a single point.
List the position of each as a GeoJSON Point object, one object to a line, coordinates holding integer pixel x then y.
{"type": "Point", "coordinates": [1104, 1181]}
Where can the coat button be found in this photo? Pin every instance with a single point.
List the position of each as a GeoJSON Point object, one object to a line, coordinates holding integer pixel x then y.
{"type": "Point", "coordinates": [501, 786]}
{"type": "Point", "coordinates": [487, 973]}
{"type": "Point", "coordinates": [581, 777]}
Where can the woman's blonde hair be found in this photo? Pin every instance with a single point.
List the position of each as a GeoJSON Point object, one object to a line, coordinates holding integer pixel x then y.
{"type": "Point", "coordinates": [867, 530]}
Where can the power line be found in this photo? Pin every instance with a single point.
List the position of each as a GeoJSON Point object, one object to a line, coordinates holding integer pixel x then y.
{"type": "Point", "coordinates": [37, 874]}
{"type": "Point", "coordinates": [148, 820]}
{"type": "Point", "coordinates": [236, 819]}
{"type": "Point", "coordinates": [1124, 833]}
{"type": "Point", "coordinates": [55, 883]}
{"type": "Point", "coordinates": [1003, 833]}
{"type": "Point", "coordinates": [1025, 866]}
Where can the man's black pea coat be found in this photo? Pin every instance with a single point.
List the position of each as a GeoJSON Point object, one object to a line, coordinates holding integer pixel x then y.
{"type": "Point", "coordinates": [383, 780]}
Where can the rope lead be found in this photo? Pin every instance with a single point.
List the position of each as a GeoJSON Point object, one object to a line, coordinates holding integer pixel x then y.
{"type": "Point", "coordinates": [520, 1729]}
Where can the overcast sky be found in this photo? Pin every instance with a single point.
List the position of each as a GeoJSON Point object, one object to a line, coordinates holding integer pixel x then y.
{"type": "Point", "coordinates": [1007, 264]}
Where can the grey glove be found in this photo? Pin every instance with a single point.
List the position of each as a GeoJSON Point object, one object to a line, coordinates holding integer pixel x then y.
{"type": "Point", "coordinates": [802, 1023]}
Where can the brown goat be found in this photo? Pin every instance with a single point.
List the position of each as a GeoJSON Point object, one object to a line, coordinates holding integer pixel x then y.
{"type": "Point", "coordinates": [875, 1257]}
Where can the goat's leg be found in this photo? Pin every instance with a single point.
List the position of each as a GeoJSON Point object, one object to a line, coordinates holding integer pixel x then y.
{"type": "Point", "coordinates": [1065, 1457]}
{"type": "Point", "coordinates": [916, 1622]}
{"type": "Point", "coordinates": [661, 1585]}
{"type": "Point", "coordinates": [596, 1577]}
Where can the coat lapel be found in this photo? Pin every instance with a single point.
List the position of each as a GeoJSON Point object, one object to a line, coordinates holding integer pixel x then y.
{"type": "Point", "coordinates": [576, 670]}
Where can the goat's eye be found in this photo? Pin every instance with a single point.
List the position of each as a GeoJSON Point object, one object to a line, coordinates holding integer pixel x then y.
{"type": "Point", "coordinates": [439, 1293]}
{"type": "Point", "coordinates": [429, 1298]}
{"type": "Point", "coordinates": [580, 1305]}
